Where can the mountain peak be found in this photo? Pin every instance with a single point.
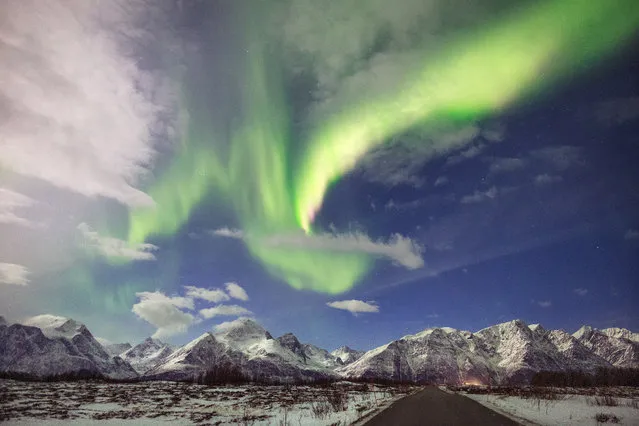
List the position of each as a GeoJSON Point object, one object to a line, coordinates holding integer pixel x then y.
{"type": "Point", "coordinates": [3, 321]}
{"type": "Point", "coordinates": [242, 329]}
{"type": "Point", "coordinates": [54, 326]}
{"type": "Point", "coordinates": [584, 331]}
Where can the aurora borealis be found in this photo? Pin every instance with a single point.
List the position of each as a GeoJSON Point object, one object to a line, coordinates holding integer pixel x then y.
{"type": "Point", "coordinates": [470, 77]}
{"type": "Point", "coordinates": [432, 160]}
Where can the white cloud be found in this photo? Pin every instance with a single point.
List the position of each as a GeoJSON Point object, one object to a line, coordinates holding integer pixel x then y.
{"type": "Point", "coordinates": [236, 292]}
{"type": "Point", "coordinates": [631, 234]}
{"type": "Point", "coordinates": [479, 196]}
{"type": "Point", "coordinates": [212, 295]}
{"type": "Point", "coordinates": [545, 303]}
{"type": "Point", "coordinates": [225, 310]}
{"type": "Point", "coordinates": [164, 312]}
{"type": "Point", "coordinates": [546, 179]}
{"type": "Point", "coordinates": [113, 247]}
{"type": "Point", "coordinates": [503, 165]}
{"type": "Point", "coordinates": [11, 273]}
{"type": "Point", "coordinates": [354, 306]}
{"type": "Point", "coordinates": [72, 105]}
{"type": "Point", "coordinates": [11, 201]}
{"type": "Point", "coordinates": [580, 291]}
{"type": "Point", "coordinates": [402, 250]}
{"type": "Point", "coordinates": [228, 232]}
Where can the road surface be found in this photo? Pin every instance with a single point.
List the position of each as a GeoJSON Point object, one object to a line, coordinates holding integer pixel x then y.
{"type": "Point", "coordinates": [432, 406]}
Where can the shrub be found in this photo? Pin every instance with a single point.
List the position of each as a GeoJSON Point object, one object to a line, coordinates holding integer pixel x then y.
{"type": "Point", "coordinates": [606, 401]}
{"type": "Point", "coordinates": [338, 400]}
{"type": "Point", "coordinates": [320, 409]}
{"type": "Point", "coordinates": [606, 418]}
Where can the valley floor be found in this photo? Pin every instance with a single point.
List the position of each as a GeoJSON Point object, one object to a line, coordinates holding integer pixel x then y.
{"type": "Point", "coordinates": [58, 403]}
{"type": "Point", "coordinates": [562, 406]}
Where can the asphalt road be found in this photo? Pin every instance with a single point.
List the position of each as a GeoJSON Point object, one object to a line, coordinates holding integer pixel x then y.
{"type": "Point", "coordinates": [432, 406]}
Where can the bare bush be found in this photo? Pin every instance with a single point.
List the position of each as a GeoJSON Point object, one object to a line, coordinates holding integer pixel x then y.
{"type": "Point", "coordinates": [338, 400]}
{"type": "Point", "coordinates": [605, 401]}
{"type": "Point", "coordinates": [606, 418]}
{"type": "Point", "coordinates": [321, 409]}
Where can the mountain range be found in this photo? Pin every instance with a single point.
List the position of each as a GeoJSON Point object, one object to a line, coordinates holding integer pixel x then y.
{"type": "Point", "coordinates": [511, 352]}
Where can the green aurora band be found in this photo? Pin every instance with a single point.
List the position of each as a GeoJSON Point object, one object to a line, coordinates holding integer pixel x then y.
{"type": "Point", "coordinates": [474, 76]}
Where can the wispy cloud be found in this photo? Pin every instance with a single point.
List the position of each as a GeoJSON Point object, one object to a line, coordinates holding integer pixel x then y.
{"type": "Point", "coordinates": [503, 165]}
{"type": "Point", "coordinates": [212, 295]}
{"type": "Point", "coordinates": [479, 196]}
{"type": "Point", "coordinates": [236, 291]}
{"type": "Point", "coordinates": [400, 162]}
{"type": "Point", "coordinates": [354, 306]}
{"type": "Point", "coordinates": [14, 274]}
{"type": "Point", "coordinates": [225, 310]}
{"type": "Point", "coordinates": [164, 312]}
{"type": "Point", "coordinates": [113, 247]}
{"type": "Point", "coordinates": [560, 157]}
{"type": "Point", "coordinates": [402, 250]}
{"type": "Point", "coordinates": [398, 248]}
{"type": "Point", "coordinates": [547, 179]}
{"type": "Point", "coordinates": [466, 154]}
{"type": "Point", "coordinates": [227, 232]}
{"type": "Point", "coordinates": [545, 303]}
{"type": "Point", "coordinates": [441, 181]}
{"type": "Point", "coordinates": [10, 201]}
{"type": "Point", "coordinates": [580, 291]}
{"type": "Point", "coordinates": [75, 113]}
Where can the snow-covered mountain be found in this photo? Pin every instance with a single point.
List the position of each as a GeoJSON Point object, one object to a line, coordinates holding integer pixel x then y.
{"type": "Point", "coordinates": [347, 355]}
{"type": "Point", "coordinates": [510, 352]}
{"type": "Point", "coordinates": [113, 349]}
{"type": "Point", "coordinates": [246, 346]}
{"type": "Point", "coordinates": [147, 354]}
{"type": "Point", "coordinates": [435, 354]}
{"type": "Point", "coordinates": [619, 351]}
{"type": "Point", "coordinates": [309, 354]}
{"type": "Point", "coordinates": [621, 333]}
{"type": "Point", "coordinates": [48, 345]}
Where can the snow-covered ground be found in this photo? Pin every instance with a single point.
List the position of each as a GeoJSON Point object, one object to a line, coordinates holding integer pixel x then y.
{"type": "Point", "coordinates": [567, 406]}
{"type": "Point", "coordinates": [30, 403]}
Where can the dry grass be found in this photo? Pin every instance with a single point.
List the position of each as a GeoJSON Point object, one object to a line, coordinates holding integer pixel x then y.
{"type": "Point", "coordinates": [246, 404]}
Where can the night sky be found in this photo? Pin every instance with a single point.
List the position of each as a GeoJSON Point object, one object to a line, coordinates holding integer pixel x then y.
{"type": "Point", "coordinates": [347, 171]}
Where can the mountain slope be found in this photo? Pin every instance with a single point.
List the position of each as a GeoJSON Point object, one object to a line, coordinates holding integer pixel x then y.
{"type": "Point", "coordinates": [619, 351]}
{"type": "Point", "coordinates": [147, 354]}
{"type": "Point", "coordinates": [113, 349]}
{"type": "Point", "coordinates": [48, 345]}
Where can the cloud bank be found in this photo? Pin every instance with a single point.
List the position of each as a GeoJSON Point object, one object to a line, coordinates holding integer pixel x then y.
{"type": "Point", "coordinates": [75, 111]}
